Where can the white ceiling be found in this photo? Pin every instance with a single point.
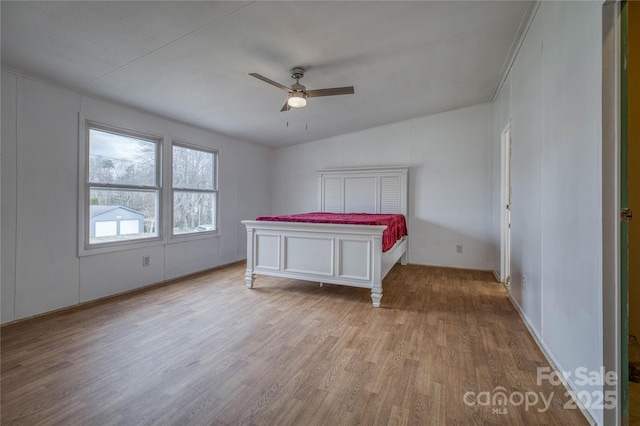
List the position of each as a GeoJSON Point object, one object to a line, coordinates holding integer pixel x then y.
{"type": "Point", "coordinates": [190, 60]}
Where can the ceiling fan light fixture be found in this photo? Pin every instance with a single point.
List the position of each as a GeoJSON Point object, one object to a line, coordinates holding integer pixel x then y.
{"type": "Point", "coordinates": [297, 100]}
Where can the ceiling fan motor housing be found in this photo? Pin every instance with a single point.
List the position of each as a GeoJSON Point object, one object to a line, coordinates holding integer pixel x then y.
{"type": "Point", "coordinates": [298, 87]}
{"type": "Point", "coordinates": [297, 73]}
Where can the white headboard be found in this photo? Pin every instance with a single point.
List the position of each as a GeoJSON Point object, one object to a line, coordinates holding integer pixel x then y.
{"type": "Point", "coordinates": [364, 190]}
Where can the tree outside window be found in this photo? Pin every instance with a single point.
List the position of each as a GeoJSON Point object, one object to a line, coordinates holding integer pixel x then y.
{"type": "Point", "coordinates": [195, 190]}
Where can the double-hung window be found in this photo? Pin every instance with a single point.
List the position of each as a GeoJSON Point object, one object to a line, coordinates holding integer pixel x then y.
{"type": "Point", "coordinates": [122, 187]}
{"type": "Point", "coordinates": [194, 189]}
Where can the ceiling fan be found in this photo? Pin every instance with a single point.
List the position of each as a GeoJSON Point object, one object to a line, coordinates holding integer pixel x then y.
{"type": "Point", "coordinates": [298, 94]}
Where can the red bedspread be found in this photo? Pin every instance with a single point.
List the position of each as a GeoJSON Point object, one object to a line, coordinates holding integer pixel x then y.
{"type": "Point", "coordinates": [396, 224]}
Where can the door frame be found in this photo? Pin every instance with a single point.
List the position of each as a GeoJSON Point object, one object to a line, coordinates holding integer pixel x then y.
{"type": "Point", "coordinates": [613, 286]}
{"type": "Point", "coordinates": [505, 205]}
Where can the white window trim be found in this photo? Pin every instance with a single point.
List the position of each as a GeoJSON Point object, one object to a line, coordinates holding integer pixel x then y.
{"type": "Point", "coordinates": [84, 247]}
{"type": "Point", "coordinates": [170, 189]}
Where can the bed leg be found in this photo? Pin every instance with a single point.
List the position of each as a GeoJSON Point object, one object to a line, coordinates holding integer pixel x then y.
{"type": "Point", "coordinates": [321, 284]}
{"type": "Point", "coordinates": [376, 295]}
{"type": "Point", "coordinates": [249, 278]}
{"type": "Point", "coordinates": [404, 259]}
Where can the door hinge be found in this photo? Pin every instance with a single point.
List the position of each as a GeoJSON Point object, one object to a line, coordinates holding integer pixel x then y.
{"type": "Point", "coordinates": [626, 215]}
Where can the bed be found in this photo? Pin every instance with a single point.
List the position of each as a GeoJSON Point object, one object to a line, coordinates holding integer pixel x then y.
{"type": "Point", "coordinates": [343, 253]}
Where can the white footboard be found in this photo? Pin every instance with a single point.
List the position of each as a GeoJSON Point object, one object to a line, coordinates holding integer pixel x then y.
{"type": "Point", "coordinates": [328, 253]}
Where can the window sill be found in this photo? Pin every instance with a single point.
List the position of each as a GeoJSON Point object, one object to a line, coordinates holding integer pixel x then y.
{"type": "Point", "coordinates": [111, 248]}
{"type": "Point", "coordinates": [133, 245]}
{"type": "Point", "coordinates": [182, 238]}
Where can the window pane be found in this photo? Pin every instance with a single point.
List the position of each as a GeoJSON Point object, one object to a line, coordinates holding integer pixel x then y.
{"type": "Point", "coordinates": [120, 215]}
{"type": "Point", "coordinates": [120, 159]}
{"type": "Point", "coordinates": [192, 168]}
{"type": "Point", "coordinates": [193, 212]}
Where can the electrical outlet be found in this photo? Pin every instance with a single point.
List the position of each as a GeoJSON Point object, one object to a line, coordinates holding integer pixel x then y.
{"type": "Point", "coordinates": [524, 282]}
{"type": "Point", "coordinates": [146, 260]}
{"type": "Point", "coordinates": [458, 248]}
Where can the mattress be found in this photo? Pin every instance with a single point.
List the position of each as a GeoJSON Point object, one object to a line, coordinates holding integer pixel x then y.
{"type": "Point", "coordinates": [395, 223]}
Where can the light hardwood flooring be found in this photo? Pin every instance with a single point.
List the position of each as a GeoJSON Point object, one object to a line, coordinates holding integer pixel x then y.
{"type": "Point", "coordinates": [206, 350]}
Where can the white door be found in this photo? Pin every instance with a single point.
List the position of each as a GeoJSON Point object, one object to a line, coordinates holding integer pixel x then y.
{"type": "Point", "coordinates": [106, 228]}
{"type": "Point", "coordinates": [129, 227]}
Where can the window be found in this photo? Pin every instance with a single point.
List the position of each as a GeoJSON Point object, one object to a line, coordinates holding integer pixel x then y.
{"type": "Point", "coordinates": [195, 190]}
{"type": "Point", "coordinates": [122, 187]}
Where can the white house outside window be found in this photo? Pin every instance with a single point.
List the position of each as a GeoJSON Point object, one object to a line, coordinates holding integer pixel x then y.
{"type": "Point", "coordinates": [194, 190]}
{"type": "Point", "coordinates": [122, 189]}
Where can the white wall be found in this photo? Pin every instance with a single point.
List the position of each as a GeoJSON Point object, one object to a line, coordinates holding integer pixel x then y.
{"type": "Point", "coordinates": [553, 101]}
{"type": "Point", "coordinates": [449, 155]}
{"type": "Point", "coordinates": [41, 270]}
{"type": "Point", "coordinates": [526, 175]}
{"type": "Point", "coordinates": [8, 154]}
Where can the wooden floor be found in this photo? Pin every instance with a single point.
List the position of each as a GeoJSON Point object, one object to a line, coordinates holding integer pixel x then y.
{"type": "Point", "coordinates": [208, 351]}
{"type": "Point", "coordinates": [634, 404]}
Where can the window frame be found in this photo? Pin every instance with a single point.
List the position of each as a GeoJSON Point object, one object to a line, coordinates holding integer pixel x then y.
{"type": "Point", "coordinates": [215, 191]}
{"type": "Point", "coordinates": [86, 247]}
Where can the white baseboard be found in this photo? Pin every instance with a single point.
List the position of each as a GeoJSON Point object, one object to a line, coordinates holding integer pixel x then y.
{"type": "Point", "coordinates": [554, 365]}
